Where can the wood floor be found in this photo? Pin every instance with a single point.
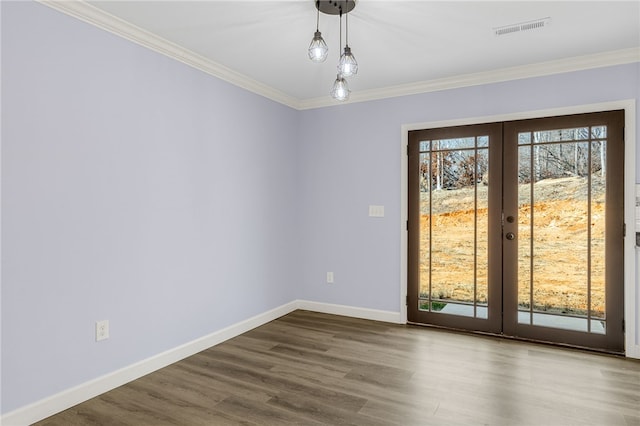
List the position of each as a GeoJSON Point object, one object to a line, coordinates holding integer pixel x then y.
{"type": "Point", "coordinates": [308, 369]}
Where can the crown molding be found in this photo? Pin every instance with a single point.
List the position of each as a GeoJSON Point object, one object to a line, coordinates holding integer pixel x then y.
{"type": "Point", "coordinates": [578, 63]}
{"type": "Point", "coordinates": [84, 11]}
{"type": "Point", "coordinates": [97, 17]}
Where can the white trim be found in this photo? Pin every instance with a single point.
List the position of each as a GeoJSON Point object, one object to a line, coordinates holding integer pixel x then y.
{"type": "Point", "coordinates": [631, 286]}
{"type": "Point", "coordinates": [68, 398]}
{"type": "Point", "coordinates": [97, 17]}
{"type": "Point", "coordinates": [632, 300]}
{"type": "Point", "coordinates": [351, 311]}
{"type": "Point", "coordinates": [1, 174]}
{"type": "Point", "coordinates": [86, 12]}
{"type": "Point", "coordinates": [404, 219]}
{"type": "Point", "coordinates": [578, 63]}
{"type": "Point", "coordinates": [46, 407]}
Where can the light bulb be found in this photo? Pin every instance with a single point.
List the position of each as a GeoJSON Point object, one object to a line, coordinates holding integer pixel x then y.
{"type": "Point", "coordinates": [347, 66]}
{"type": "Point", "coordinates": [318, 49]}
{"type": "Point", "coordinates": [340, 90]}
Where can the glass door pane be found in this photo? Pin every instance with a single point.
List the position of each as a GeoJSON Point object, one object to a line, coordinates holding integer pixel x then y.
{"type": "Point", "coordinates": [453, 223]}
{"type": "Point", "coordinates": [561, 197]}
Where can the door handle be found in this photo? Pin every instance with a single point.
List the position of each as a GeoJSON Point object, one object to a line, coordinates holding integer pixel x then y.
{"type": "Point", "coordinates": [510, 236]}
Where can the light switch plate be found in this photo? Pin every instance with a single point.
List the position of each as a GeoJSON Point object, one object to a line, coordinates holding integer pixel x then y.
{"type": "Point", "coordinates": [376, 211]}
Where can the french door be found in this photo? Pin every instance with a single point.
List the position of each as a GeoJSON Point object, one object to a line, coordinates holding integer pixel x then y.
{"type": "Point", "coordinates": [516, 228]}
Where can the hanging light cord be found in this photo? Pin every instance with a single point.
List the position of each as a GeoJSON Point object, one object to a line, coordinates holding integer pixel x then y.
{"type": "Point", "coordinates": [318, 15]}
{"type": "Point", "coordinates": [346, 29]}
{"type": "Point", "coordinates": [340, 45]}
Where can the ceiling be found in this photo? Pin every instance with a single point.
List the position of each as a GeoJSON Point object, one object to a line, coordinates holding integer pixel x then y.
{"type": "Point", "coordinates": [398, 44]}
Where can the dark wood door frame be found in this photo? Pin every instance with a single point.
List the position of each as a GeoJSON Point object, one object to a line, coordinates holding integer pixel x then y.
{"type": "Point", "coordinates": [614, 339]}
{"type": "Point", "coordinates": [493, 323]}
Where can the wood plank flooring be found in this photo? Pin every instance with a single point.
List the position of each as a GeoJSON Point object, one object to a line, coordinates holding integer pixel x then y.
{"type": "Point", "coordinates": [310, 369]}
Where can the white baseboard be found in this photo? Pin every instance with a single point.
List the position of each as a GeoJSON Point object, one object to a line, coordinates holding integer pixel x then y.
{"type": "Point", "coordinates": [46, 407]}
{"type": "Point", "coordinates": [350, 311]}
{"type": "Point", "coordinates": [633, 352]}
{"type": "Point", "coordinates": [61, 401]}
{"type": "Point", "coordinates": [70, 397]}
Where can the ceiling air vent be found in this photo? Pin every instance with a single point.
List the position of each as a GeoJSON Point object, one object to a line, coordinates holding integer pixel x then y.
{"type": "Point", "coordinates": [523, 26]}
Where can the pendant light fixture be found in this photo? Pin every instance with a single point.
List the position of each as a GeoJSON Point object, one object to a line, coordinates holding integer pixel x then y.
{"type": "Point", "coordinates": [347, 65]}
{"type": "Point", "coordinates": [318, 49]}
{"type": "Point", "coordinates": [340, 90]}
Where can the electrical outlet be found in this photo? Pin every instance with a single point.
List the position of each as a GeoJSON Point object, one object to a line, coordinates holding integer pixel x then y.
{"type": "Point", "coordinates": [102, 330]}
{"type": "Point", "coordinates": [329, 277]}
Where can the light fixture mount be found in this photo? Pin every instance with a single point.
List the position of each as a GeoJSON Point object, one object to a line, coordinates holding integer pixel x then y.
{"type": "Point", "coordinates": [335, 7]}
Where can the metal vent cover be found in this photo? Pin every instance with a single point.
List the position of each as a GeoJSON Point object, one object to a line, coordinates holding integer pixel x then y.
{"type": "Point", "coordinates": [522, 26]}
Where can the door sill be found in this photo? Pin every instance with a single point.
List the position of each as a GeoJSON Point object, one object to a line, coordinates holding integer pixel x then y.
{"type": "Point", "coordinates": [519, 339]}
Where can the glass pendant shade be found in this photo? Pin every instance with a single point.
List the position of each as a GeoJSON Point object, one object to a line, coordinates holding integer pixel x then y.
{"type": "Point", "coordinates": [340, 90]}
{"type": "Point", "coordinates": [348, 65]}
{"type": "Point", "coordinates": [318, 49]}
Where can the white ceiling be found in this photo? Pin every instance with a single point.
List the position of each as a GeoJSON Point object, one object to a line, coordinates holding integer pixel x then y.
{"type": "Point", "coordinates": [395, 42]}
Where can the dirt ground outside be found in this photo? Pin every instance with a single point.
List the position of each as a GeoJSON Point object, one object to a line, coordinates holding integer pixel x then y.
{"type": "Point", "coordinates": [559, 282]}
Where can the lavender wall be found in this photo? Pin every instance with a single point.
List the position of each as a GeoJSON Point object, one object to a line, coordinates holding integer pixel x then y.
{"type": "Point", "coordinates": [352, 157]}
{"type": "Point", "coordinates": [139, 190]}
{"type": "Point", "coordinates": [134, 189]}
